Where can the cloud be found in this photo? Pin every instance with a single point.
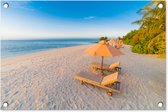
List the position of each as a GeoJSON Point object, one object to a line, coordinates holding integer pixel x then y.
{"type": "Point", "coordinates": [89, 17]}
{"type": "Point", "coordinates": [22, 5]}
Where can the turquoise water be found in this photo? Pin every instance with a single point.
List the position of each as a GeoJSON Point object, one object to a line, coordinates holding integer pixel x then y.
{"type": "Point", "coordinates": [10, 48]}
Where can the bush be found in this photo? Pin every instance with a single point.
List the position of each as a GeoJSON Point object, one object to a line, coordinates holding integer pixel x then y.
{"type": "Point", "coordinates": [103, 38]}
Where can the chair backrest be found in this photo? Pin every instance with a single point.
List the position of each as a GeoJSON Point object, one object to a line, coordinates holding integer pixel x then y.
{"type": "Point", "coordinates": [114, 65]}
{"type": "Point", "coordinates": [109, 79]}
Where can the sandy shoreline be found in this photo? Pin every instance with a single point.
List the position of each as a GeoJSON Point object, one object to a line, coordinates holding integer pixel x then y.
{"type": "Point", "coordinates": [45, 80]}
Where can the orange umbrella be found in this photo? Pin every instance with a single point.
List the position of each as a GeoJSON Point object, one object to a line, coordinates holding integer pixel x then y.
{"type": "Point", "coordinates": [103, 49]}
{"type": "Point", "coordinates": [112, 41]}
{"type": "Point", "coordinates": [119, 43]}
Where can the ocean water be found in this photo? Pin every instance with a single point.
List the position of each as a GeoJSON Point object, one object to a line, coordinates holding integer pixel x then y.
{"type": "Point", "coordinates": [11, 48]}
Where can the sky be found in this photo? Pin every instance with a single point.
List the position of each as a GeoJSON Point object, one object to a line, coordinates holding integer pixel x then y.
{"type": "Point", "coordinates": [73, 19]}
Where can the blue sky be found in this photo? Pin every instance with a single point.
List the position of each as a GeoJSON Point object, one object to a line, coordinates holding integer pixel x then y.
{"type": "Point", "coordinates": [69, 19]}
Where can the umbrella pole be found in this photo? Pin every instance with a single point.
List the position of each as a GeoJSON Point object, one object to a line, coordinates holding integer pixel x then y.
{"type": "Point", "coordinates": [102, 66]}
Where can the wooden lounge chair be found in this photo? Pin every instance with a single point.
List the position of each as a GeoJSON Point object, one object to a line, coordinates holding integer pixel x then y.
{"type": "Point", "coordinates": [109, 82]}
{"type": "Point", "coordinates": [114, 66]}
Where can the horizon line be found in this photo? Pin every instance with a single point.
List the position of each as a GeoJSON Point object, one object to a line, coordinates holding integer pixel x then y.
{"type": "Point", "coordinates": [55, 38]}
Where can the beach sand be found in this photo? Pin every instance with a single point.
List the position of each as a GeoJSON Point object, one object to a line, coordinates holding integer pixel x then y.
{"type": "Point", "coordinates": [45, 80]}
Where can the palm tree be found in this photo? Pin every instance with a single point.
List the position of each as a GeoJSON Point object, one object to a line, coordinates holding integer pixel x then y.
{"type": "Point", "coordinates": [153, 16]}
{"type": "Point", "coordinates": [150, 37]}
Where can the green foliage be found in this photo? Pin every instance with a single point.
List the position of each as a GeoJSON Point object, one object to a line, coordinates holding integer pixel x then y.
{"type": "Point", "coordinates": [119, 38]}
{"type": "Point", "coordinates": [150, 38]}
{"type": "Point", "coordinates": [103, 38]}
{"type": "Point", "coordinates": [157, 45]}
{"type": "Point", "coordinates": [128, 37]}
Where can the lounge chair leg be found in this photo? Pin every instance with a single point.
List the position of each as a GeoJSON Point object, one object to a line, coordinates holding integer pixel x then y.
{"type": "Point", "coordinates": [81, 82]}
{"type": "Point", "coordinates": [118, 85]}
{"type": "Point", "coordinates": [118, 69]}
{"type": "Point", "coordinates": [109, 93]}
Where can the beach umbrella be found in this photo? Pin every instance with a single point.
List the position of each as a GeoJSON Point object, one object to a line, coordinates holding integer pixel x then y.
{"type": "Point", "coordinates": [103, 49]}
{"type": "Point", "coordinates": [119, 43]}
{"type": "Point", "coordinates": [112, 41]}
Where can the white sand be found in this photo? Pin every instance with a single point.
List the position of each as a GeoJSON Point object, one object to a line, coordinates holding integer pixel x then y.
{"type": "Point", "coordinates": [45, 80]}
